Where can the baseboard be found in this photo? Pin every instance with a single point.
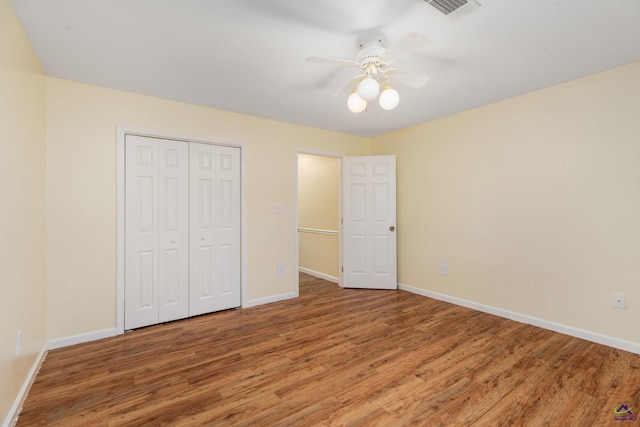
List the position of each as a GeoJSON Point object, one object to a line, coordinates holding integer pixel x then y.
{"type": "Point", "coordinates": [268, 300]}
{"type": "Point", "coordinates": [16, 408]}
{"type": "Point", "coordinates": [81, 338]}
{"type": "Point", "coordinates": [318, 274]}
{"type": "Point", "coordinates": [630, 346]}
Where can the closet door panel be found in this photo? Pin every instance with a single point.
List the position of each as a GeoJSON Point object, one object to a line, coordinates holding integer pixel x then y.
{"type": "Point", "coordinates": [173, 177]}
{"type": "Point", "coordinates": [228, 228]}
{"type": "Point", "coordinates": [202, 238]}
{"type": "Point", "coordinates": [141, 232]}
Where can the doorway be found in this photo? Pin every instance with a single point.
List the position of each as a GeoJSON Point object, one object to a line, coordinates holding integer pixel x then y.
{"type": "Point", "coordinates": [318, 213]}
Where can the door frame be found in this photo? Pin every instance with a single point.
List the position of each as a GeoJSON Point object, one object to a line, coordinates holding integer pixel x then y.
{"type": "Point", "coordinates": [122, 132]}
{"type": "Point", "coordinates": [338, 156]}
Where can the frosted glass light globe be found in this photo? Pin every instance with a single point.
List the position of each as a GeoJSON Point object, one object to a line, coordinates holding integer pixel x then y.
{"type": "Point", "coordinates": [355, 103]}
{"type": "Point", "coordinates": [368, 89]}
{"type": "Point", "coordinates": [389, 98]}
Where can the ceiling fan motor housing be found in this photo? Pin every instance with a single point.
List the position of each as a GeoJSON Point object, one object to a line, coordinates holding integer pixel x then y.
{"type": "Point", "coordinates": [370, 50]}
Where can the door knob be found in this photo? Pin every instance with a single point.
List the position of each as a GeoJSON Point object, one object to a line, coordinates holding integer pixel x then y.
{"type": "Point", "coordinates": [173, 241]}
{"type": "Point", "coordinates": [392, 228]}
{"type": "Point", "coordinates": [202, 238]}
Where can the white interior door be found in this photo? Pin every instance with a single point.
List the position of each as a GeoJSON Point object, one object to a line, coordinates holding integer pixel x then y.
{"type": "Point", "coordinates": [156, 231]}
{"type": "Point", "coordinates": [214, 265]}
{"type": "Point", "coordinates": [369, 221]}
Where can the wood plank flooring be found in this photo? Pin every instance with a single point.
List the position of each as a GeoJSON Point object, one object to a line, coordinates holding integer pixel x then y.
{"type": "Point", "coordinates": [336, 357]}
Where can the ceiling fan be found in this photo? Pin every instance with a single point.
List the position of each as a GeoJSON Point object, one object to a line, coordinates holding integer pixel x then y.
{"type": "Point", "coordinates": [374, 60]}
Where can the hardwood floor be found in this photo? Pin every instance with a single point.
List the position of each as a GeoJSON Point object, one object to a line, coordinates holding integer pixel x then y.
{"type": "Point", "coordinates": [336, 357]}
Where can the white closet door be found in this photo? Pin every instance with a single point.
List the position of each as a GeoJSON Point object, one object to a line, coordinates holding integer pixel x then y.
{"type": "Point", "coordinates": [141, 236]}
{"type": "Point", "coordinates": [173, 178]}
{"type": "Point", "coordinates": [214, 209]}
{"type": "Point", "coordinates": [228, 228]}
{"type": "Point", "coordinates": [156, 231]}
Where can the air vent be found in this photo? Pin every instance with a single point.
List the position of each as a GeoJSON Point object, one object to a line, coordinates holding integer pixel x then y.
{"type": "Point", "coordinates": [450, 6]}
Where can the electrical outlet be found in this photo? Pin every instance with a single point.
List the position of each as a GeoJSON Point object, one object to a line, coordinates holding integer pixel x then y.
{"type": "Point", "coordinates": [18, 342]}
{"type": "Point", "coordinates": [277, 208]}
{"type": "Point", "coordinates": [280, 269]}
{"type": "Point", "coordinates": [445, 269]}
{"type": "Point", "coordinates": [619, 300]}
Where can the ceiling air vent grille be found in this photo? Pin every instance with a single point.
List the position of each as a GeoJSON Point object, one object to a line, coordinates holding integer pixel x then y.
{"type": "Point", "coordinates": [447, 6]}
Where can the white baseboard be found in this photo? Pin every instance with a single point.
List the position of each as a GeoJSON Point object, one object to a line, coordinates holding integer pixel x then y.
{"type": "Point", "coordinates": [318, 274]}
{"type": "Point", "coordinates": [14, 412]}
{"type": "Point", "coordinates": [81, 338]}
{"type": "Point", "coordinates": [630, 346]}
{"type": "Point", "coordinates": [268, 300]}
{"type": "Point", "coordinates": [16, 408]}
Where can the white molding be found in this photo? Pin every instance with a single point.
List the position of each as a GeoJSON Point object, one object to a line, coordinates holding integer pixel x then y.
{"type": "Point", "coordinates": [317, 231]}
{"type": "Point", "coordinates": [320, 153]}
{"type": "Point", "coordinates": [595, 337]}
{"type": "Point", "coordinates": [122, 131]}
{"type": "Point", "coordinates": [318, 274]}
{"type": "Point", "coordinates": [268, 300]}
{"type": "Point", "coordinates": [155, 133]}
{"type": "Point", "coordinates": [81, 338]}
{"type": "Point", "coordinates": [296, 219]}
{"type": "Point", "coordinates": [243, 225]}
{"type": "Point", "coordinates": [16, 408]}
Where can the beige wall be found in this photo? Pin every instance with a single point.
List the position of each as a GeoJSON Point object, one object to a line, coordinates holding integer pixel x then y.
{"type": "Point", "coordinates": [533, 202]}
{"type": "Point", "coordinates": [318, 209]}
{"type": "Point", "coordinates": [22, 211]}
{"type": "Point", "coordinates": [81, 193]}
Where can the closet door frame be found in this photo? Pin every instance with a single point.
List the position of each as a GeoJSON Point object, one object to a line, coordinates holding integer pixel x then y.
{"type": "Point", "coordinates": [122, 131]}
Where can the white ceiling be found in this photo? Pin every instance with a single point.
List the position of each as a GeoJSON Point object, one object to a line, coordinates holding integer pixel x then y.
{"type": "Point", "coordinates": [248, 56]}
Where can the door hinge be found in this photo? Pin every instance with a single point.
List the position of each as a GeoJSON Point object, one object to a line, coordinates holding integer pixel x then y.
{"type": "Point", "coordinates": [341, 220]}
{"type": "Point", "coordinates": [342, 269]}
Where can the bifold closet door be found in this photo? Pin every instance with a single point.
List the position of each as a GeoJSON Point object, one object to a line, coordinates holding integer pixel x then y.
{"type": "Point", "coordinates": [156, 231]}
{"type": "Point", "coordinates": [214, 228]}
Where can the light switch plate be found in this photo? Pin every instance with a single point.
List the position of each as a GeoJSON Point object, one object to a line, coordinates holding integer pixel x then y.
{"type": "Point", "coordinates": [445, 269]}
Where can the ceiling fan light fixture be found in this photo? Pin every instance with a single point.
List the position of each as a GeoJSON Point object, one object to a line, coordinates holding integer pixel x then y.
{"type": "Point", "coordinates": [374, 60]}
{"type": "Point", "coordinates": [355, 103]}
{"type": "Point", "coordinates": [389, 98]}
{"type": "Point", "coordinates": [368, 89]}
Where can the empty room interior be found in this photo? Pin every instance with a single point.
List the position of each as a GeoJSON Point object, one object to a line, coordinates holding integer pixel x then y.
{"type": "Point", "coordinates": [266, 212]}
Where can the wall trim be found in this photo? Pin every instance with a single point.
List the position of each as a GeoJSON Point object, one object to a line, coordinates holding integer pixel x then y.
{"type": "Point", "coordinates": [318, 274]}
{"type": "Point", "coordinates": [317, 231]}
{"type": "Point", "coordinates": [81, 338]}
{"type": "Point", "coordinates": [595, 337]}
{"type": "Point", "coordinates": [16, 408]}
{"type": "Point", "coordinates": [268, 300]}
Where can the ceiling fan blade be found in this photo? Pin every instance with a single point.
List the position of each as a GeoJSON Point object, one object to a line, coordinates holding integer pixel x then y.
{"type": "Point", "coordinates": [342, 62]}
{"type": "Point", "coordinates": [347, 88]}
{"type": "Point", "coordinates": [410, 43]}
{"type": "Point", "coordinates": [407, 78]}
